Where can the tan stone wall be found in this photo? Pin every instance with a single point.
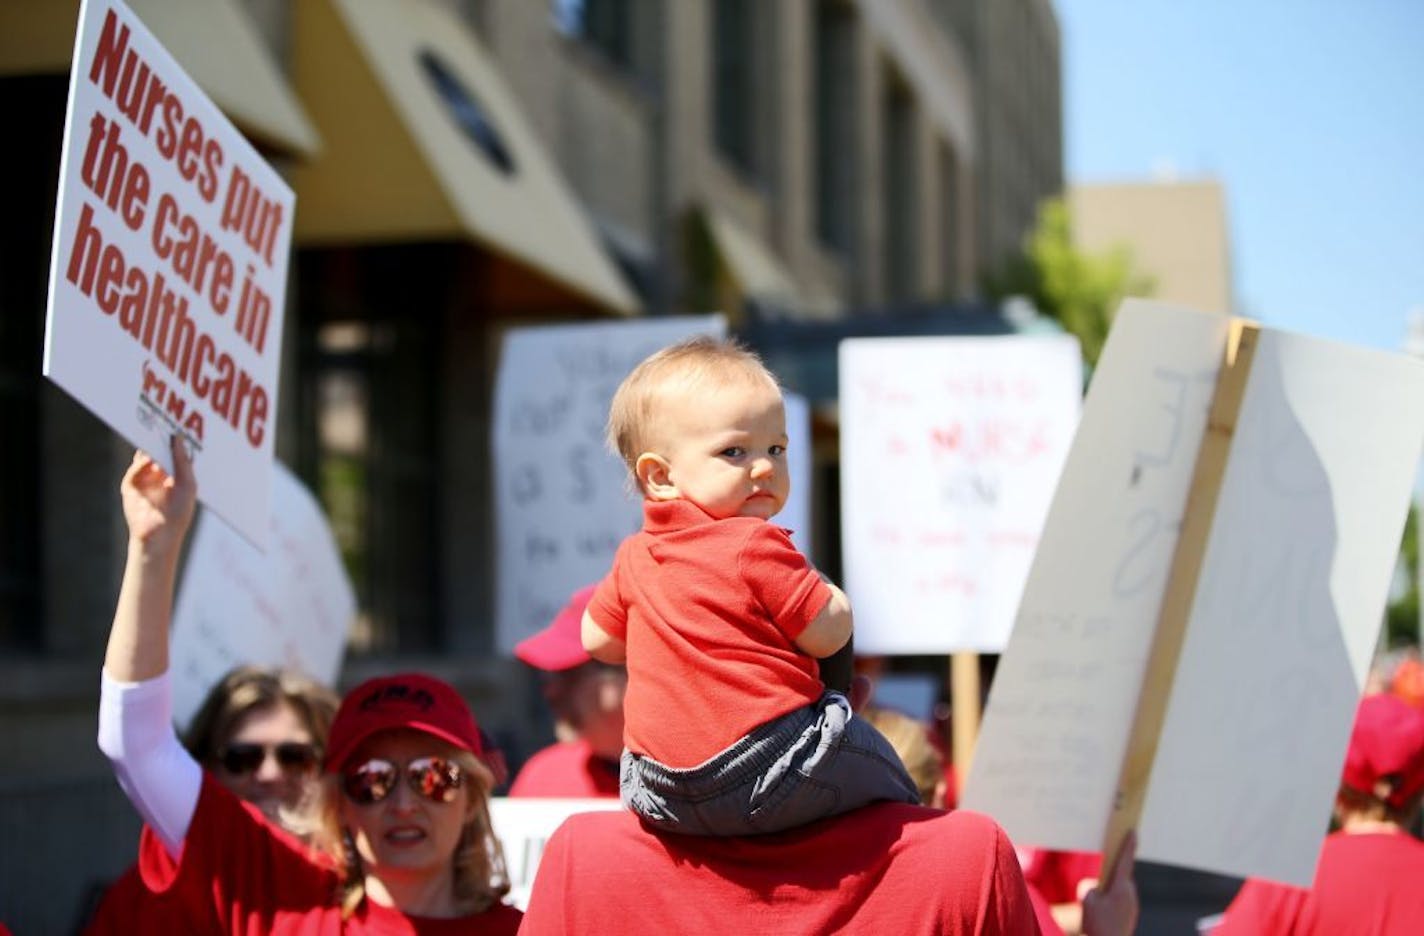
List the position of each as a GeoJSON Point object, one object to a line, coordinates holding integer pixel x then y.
{"type": "Point", "coordinates": [1177, 232]}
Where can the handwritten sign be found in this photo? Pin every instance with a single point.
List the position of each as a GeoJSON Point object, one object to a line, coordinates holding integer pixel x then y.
{"type": "Point", "coordinates": [563, 501]}
{"type": "Point", "coordinates": [523, 827]}
{"type": "Point", "coordinates": [1287, 607]}
{"type": "Point", "coordinates": [950, 449]}
{"type": "Point", "coordinates": [290, 606]}
{"type": "Point", "coordinates": [169, 266]}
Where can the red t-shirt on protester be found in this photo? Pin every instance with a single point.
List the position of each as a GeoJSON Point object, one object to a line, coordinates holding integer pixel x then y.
{"type": "Point", "coordinates": [1365, 885]}
{"type": "Point", "coordinates": [709, 611]}
{"type": "Point", "coordinates": [1058, 874]}
{"type": "Point", "coordinates": [885, 868]}
{"type": "Point", "coordinates": [238, 875]}
{"type": "Point", "coordinates": [1043, 913]}
{"type": "Point", "coordinates": [128, 907]}
{"type": "Point", "coordinates": [568, 769]}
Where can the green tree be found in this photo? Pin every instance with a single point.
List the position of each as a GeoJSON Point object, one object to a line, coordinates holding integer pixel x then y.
{"type": "Point", "coordinates": [1402, 616]}
{"type": "Point", "coordinates": [1080, 290]}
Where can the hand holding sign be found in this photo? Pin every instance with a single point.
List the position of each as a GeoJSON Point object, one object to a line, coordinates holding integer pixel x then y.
{"type": "Point", "coordinates": [1293, 559]}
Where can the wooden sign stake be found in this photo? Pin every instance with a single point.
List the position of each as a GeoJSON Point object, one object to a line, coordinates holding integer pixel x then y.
{"type": "Point", "coordinates": [964, 709]}
{"type": "Point", "coordinates": [1181, 585]}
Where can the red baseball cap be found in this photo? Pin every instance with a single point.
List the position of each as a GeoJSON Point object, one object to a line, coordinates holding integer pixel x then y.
{"type": "Point", "coordinates": [560, 645]}
{"type": "Point", "coordinates": [405, 700]}
{"type": "Point", "coordinates": [1387, 742]}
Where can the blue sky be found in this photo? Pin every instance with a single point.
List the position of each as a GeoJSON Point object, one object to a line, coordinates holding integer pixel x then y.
{"type": "Point", "coordinates": [1310, 112]}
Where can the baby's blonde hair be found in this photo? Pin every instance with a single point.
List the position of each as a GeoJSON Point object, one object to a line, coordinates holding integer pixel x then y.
{"type": "Point", "coordinates": [693, 363]}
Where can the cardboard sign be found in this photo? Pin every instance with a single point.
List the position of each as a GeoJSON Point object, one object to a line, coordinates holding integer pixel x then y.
{"type": "Point", "coordinates": [523, 827]}
{"type": "Point", "coordinates": [169, 266]}
{"type": "Point", "coordinates": [290, 606]}
{"type": "Point", "coordinates": [563, 501]}
{"type": "Point", "coordinates": [1286, 609]}
{"type": "Point", "coordinates": [795, 514]}
{"type": "Point", "coordinates": [950, 449]}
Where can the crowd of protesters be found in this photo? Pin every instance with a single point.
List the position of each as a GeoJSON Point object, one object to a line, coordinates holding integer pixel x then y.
{"type": "Point", "coordinates": [279, 815]}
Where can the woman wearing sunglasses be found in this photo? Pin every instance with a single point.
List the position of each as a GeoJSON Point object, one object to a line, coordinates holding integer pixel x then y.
{"type": "Point", "coordinates": [261, 732]}
{"type": "Point", "coordinates": [401, 833]}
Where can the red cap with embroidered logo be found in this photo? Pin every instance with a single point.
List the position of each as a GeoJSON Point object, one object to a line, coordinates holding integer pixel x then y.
{"type": "Point", "coordinates": [405, 700]}
{"type": "Point", "coordinates": [560, 645]}
{"type": "Point", "coordinates": [1387, 742]}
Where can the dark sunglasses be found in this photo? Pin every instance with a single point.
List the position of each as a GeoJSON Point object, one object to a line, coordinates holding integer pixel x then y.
{"type": "Point", "coordinates": [434, 778]}
{"type": "Point", "coordinates": [244, 758]}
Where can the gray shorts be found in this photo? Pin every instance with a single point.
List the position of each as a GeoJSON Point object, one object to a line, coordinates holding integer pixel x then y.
{"type": "Point", "coordinates": [811, 763]}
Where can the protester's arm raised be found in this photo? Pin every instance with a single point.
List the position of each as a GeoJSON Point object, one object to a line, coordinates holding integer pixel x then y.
{"type": "Point", "coordinates": [158, 509]}
{"type": "Point", "coordinates": [135, 706]}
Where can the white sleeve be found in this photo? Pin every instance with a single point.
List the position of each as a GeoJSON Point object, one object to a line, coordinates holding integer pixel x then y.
{"type": "Point", "coordinates": [159, 776]}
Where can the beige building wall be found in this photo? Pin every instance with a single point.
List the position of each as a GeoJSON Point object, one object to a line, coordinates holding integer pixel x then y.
{"type": "Point", "coordinates": [1177, 233]}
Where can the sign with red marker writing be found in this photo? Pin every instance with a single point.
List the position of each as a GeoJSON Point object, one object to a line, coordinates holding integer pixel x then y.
{"type": "Point", "coordinates": [169, 266]}
{"type": "Point", "coordinates": [950, 450]}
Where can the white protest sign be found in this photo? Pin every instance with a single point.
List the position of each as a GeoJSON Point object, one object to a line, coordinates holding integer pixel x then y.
{"type": "Point", "coordinates": [950, 450]}
{"type": "Point", "coordinates": [563, 501]}
{"type": "Point", "coordinates": [1287, 606]}
{"type": "Point", "coordinates": [795, 514]}
{"type": "Point", "coordinates": [523, 827]}
{"type": "Point", "coordinates": [289, 606]}
{"type": "Point", "coordinates": [169, 266]}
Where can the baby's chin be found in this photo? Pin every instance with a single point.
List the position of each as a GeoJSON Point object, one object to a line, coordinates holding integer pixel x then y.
{"type": "Point", "coordinates": [760, 507]}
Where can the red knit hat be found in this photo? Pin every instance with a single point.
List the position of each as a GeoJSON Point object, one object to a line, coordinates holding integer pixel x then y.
{"type": "Point", "coordinates": [1387, 743]}
{"type": "Point", "coordinates": [560, 645]}
{"type": "Point", "coordinates": [406, 700]}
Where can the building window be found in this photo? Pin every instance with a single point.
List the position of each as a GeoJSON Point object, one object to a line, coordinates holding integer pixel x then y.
{"type": "Point", "coordinates": [899, 176]}
{"type": "Point", "coordinates": [369, 397]}
{"type": "Point", "coordinates": [21, 328]}
{"type": "Point", "coordinates": [949, 221]}
{"type": "Point", "coordinates": [607, 25]}
{"type": "Point", "coordinates": [734, 99]}
{"type": "Point", "coordinates": [35, 113]}
{"type": "Point", "coordinates": [833, 86]}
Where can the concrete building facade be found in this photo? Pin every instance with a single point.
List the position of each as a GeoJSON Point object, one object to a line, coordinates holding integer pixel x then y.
{"type": "Point", "coordinates": [1013, 51]}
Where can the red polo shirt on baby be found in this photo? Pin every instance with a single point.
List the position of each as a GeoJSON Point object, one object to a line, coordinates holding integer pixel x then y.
{"type": "Point", "coordinates": [710, 611]}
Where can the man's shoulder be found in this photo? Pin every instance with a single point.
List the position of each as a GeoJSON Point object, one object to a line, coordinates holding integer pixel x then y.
{"type": "Point", "coordinates": [895, 827]}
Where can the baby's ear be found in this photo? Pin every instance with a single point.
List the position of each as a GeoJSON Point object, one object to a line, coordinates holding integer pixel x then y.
{"type": "Point", "coordinates": [654, 477]}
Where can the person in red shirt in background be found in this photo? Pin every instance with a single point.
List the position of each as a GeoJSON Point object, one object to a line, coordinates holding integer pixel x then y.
{"type": "Point", "coordinates": [1370, 877]}
{"type": "Point", "coordinates": [1062, 878]}
{"type": "Point", "coordinates": [262, 733]}
{"type": "Point", "coordinates": [586, 698]}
